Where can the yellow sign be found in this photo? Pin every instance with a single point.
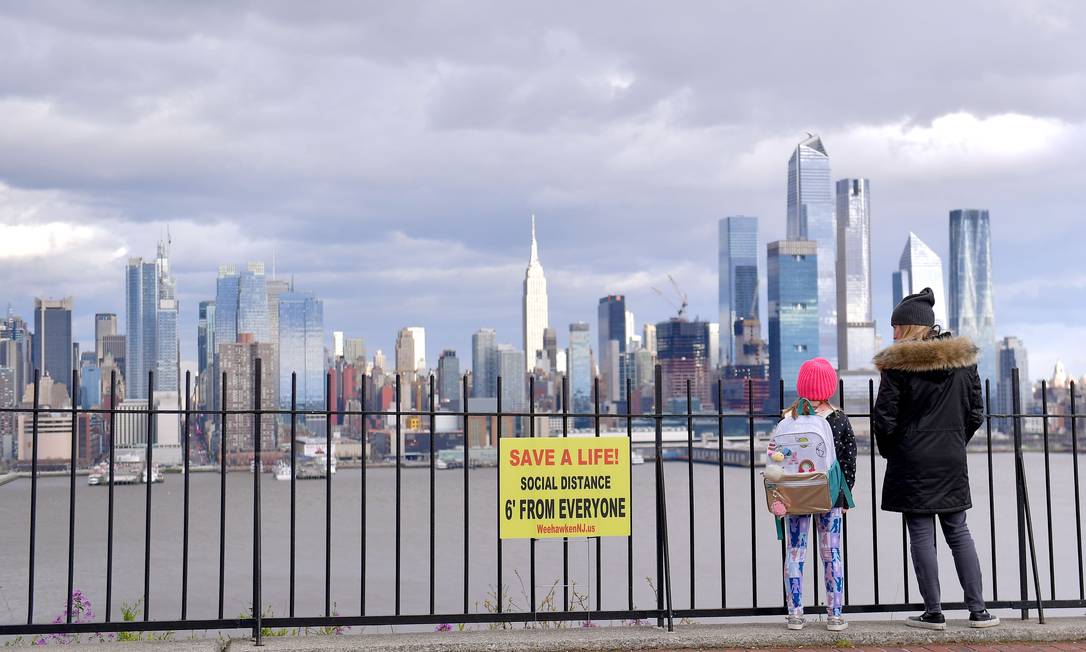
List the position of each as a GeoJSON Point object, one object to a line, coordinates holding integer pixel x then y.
{"type": "Point", "coordinates": [569, 487]}
{"type": "Point", "coordinates": [413, 423]}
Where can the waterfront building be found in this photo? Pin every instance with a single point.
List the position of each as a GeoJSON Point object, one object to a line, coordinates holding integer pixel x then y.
{"type": "Point", "coordinates": [794, 335]}
{"type": "Point", "coordinates": [737, 271]}
{"type": "Point", "coordinates": [238, 361]}
{"type": "Point", "coordinates": [920, 267]}
{"type": "Point", "coordinates": [52, 340]}
{"type": "Point", "coordinates": [811, 216]}
{"type": "Point", "coordinates": [534, 305]}
{"type": "Point", "coordinates": [855, 321]}
{"type": "Point", "coordinates": [971, 307]}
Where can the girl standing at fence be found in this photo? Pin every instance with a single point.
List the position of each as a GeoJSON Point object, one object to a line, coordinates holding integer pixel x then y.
{"type": "Point", "coordinates": [928, 408]}
{"type": "Point", "coordinates": [816, 384]}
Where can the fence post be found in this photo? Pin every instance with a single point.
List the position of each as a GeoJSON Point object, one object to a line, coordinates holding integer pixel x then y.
{"type": "Point", "coordinates": [71, 493]}
{"type": "Point", "coordinates": [1016, 402]}
{"type": "Point", "coordinates": [33, 497]}
{"type": "Point", "coordinates": [659, 391]}
{"type": "Point", "coordinates": [257, 469]}
{"type": "Point", "coordinates": [149, 472]}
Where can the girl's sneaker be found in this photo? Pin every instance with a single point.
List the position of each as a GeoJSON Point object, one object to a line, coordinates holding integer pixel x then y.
{"type": "Point", "coordinates": [836, 624]}
{"type": "Point", "coordinates": [982, 619]}
{"type": "Point", "coordinates": [796, 622]}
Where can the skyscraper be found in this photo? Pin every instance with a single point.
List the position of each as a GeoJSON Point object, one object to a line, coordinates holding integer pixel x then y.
{"type": "Point", "coordinates": [920, 267]}
{"type": "Point", "coordinates": [406, 356]}
{"type": "Point", "coordinates": [535, 305]}
{"type": "Point", "coordinates": [613, 338]}
{"type": "Point", "coordinates": [205, 336]}
{"type": "Point", "coordinates": [253, 302]}
{"type": "Point", "coordinates": [811, 217]}
{"type": "Point", "coordinates": [714, 344]}
{"type": "Point", "coordinates": [15, 344]}
{"type": "Point", "coordinates": [276, 288]}
{"type": "Point", "coordinates": [141, 324]}
{"type": "Point", "coordinates": [301, 349]}
{"type": "Point", "coordinates": [682, 350]}
{"type": "Point", "coordinates": [550, 348]}
{"type": "Point", "coordinates": [648, 339]}
{"type": "Point", "coordinates": [448, 380]}
{"type": "Point", "coordinates": [418, 333]}
{"type": "Point", "coordinates": [511, 369]}
{"type": "Point", "coordinates": [484, 356]}
{"type": "Point", "coordinates": [167, 351]}
{"type": "Point", "coordinates": [105, 323]}
{"type": "Point", "coordinates": [855, 322]}
{"type": "Point", "coordinates": [579, 364]}
{"type": "Point", "coordinates": [972, 313]}
{"type": "Point", "coordinates": [737, 270]}
{"type": "Point", "coordinates": [226, 306]}
{"type": "Point", "coordinates": [1012, 355]}
{"type": "Point", "coordinates": [792, 268]}
{"type": "Point", "coordinates": [354, 350]}
{"type": "Point", "coordinates": [52, 350]}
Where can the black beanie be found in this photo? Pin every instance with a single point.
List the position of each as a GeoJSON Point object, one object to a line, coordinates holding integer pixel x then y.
{"type": "Point", "coordinates": [915, 310]}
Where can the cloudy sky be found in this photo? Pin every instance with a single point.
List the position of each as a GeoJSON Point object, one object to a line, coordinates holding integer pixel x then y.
{"type": "Point", "coordinates": [389, 154]}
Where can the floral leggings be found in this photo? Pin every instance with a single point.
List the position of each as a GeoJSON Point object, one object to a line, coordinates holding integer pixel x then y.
{"type": "Point", "coordinates": [829, 547]}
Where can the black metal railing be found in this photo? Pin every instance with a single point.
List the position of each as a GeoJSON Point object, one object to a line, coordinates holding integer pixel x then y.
{"type": "Point", "coordinates": [663, 610]}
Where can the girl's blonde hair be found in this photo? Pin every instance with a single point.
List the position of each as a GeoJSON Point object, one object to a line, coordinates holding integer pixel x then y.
{"type": "Point", "coordinates": [793, 409]}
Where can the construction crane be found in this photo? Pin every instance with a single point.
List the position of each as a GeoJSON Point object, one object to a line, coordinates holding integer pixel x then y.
{"type": "Point", "coordinates": [680, 309]}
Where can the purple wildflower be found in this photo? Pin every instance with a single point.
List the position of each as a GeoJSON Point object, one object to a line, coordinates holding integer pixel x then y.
{"type": "Point", "coordinates": [443, 627]}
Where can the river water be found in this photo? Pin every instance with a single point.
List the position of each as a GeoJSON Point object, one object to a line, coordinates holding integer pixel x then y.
{"type": "Point", "coordinates": [165, 591]}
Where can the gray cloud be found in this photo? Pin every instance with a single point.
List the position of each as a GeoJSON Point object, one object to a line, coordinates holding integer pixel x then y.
{"type": "Point", "coordinates": [391, 153]}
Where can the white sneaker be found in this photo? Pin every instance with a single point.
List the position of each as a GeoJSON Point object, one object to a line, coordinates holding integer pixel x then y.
{"type": "Point", "coordinates": [796, 622]}
{"type": "Point", "coordinates": [836, 624]}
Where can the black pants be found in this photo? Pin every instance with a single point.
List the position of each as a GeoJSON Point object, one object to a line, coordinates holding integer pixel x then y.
{"type": "Point", "coordinates": [926, 560]}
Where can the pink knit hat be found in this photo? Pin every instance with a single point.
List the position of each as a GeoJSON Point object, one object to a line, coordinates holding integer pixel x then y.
{"type": "Point", "coordinates": [817, 380]}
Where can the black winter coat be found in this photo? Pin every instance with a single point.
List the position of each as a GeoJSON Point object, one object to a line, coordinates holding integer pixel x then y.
{"type": "Point", "coordinates": [928, 408]}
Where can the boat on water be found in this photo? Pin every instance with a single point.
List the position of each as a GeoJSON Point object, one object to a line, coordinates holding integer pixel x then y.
{"type": "Point", "coordinates": [309, 468]}
{"type": "Point", "coordinates": [282, 470]}
{"type": "Point", "coordinates": [636, 458]}
{"type": "Point", "coordinates": [128, 469]}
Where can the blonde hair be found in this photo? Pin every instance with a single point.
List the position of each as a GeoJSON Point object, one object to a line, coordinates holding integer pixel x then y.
{"type": "Point", "coordinates": [913, 332]}
{"type": "Point", "coordinates": [793, 409]}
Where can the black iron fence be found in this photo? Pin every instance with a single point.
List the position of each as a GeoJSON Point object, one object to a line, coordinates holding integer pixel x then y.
{"type": "Point", "coordinates": [662, 611]}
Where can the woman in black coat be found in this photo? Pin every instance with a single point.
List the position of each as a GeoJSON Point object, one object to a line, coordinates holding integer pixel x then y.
{"type": "Point", "coordinates": [928, 408]}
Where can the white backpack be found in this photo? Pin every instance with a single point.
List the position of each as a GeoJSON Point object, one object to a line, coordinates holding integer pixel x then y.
{"type": "Point", "coordinates": [806, 441]}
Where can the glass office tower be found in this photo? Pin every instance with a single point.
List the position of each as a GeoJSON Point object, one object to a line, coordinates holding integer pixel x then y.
{"type": "Point", "coordinates": [301, 349]}
{"type": "Point", "coordinates": [972, 312]}
{"type": "Point", "coordinates": [737, 278]}
{"type": "Point", "coordinates": [811, 216]}
{"type": "Point", "coordinates": [855, 323]}
{"type": "Point", "coordinates": [920, 267]}
{"type": "Point", "coordinates": [792, 268]}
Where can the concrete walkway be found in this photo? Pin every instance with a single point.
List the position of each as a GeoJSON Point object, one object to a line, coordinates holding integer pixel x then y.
{"type": "Point", "coordinates": [861, 634]}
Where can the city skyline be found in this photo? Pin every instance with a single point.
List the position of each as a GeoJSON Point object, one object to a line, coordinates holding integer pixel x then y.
{"type": "Point", "coordinates": [415, 215]}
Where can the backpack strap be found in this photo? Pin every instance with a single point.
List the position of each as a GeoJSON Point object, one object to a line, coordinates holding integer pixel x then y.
{"type": "Point", "coordinates": [804, 407]}
{"type": "Point", "coordinates": [838, 485]}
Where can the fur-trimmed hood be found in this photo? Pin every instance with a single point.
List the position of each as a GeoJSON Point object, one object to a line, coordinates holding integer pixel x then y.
{"type": "Point", "coordinates": [928, 355]}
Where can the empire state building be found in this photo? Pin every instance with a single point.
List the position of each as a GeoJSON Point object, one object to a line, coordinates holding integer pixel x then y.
{"type": "Point", "coordinates": [535, 305]}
